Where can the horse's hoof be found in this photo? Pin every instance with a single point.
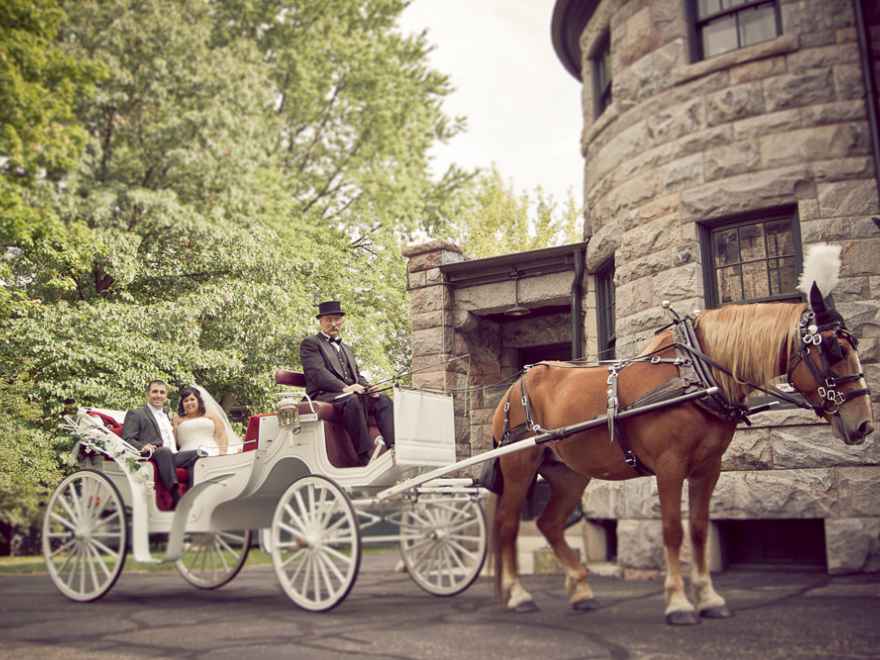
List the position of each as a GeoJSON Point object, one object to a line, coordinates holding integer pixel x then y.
{"type": "Point", "coordinates": [526, 607]}
{"type": "Point", "coordinates": [585, 605]}
{"type": "Point", "coordinates": [682, 618]}
{"type": "Point", "coordinates": [720, 612]}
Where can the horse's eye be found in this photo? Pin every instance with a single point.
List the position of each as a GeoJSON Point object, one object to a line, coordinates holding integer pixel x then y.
{"type": "Point", "coordinates": [833, 350]}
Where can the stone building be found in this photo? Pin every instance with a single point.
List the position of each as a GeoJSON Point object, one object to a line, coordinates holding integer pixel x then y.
{"type": "Point", "coordinates": [720, 138]}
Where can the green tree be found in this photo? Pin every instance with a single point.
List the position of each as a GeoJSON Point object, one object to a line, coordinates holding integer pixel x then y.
{"type": "Point", "coordinates": [496, 220]}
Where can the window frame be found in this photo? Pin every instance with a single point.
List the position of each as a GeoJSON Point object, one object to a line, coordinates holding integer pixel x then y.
{"type": "Point", "coordinates": [602, 93]}
{"type": "Point", "coordinates": [606, 309]}
{"type": "Point", "coordinates": [696, 25]}
{"type": "Point", "coordinates": [760, 216]}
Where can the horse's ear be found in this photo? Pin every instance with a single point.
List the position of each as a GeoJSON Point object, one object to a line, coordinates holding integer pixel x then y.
{"type": "Point", "coordinates": [817, 302]}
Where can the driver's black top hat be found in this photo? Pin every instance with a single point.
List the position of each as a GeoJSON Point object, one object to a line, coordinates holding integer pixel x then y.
{"type": "Point", "coordinates": [329, 307]}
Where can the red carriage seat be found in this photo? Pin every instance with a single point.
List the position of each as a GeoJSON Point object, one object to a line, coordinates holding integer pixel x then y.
{"type": "Point", "coordinates": [164, 502]}
{"type": "Point", "coordinates": [340, 448]}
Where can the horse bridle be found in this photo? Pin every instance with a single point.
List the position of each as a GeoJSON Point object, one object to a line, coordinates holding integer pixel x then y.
{"type": "Point", "coordinates": [829, 352]}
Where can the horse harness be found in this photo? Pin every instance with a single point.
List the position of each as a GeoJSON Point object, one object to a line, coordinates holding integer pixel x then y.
{"type": "Point", "coordinates": [695, 373]}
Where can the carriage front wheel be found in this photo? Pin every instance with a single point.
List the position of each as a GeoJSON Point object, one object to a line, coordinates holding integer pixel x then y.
{"type": "Point", "coordinates": [212, 559]}
{"type": "Point", "coordinates": [443, 542]}
{"type": "Point", "coordinates": [85, 536]}
{"type": "Point", "coordinates": [316, 543]}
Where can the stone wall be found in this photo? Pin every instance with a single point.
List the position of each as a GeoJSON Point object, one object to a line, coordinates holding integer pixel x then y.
{"type": "Point", "coordinates": [783, 122]}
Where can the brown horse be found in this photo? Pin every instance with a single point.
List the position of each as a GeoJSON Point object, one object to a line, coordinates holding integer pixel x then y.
{"type": "Point", "coordinates": [749, 344]}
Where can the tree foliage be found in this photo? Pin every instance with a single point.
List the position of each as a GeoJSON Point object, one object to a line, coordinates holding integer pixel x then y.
{"type": "Point", "coordinates": [206, 173]}
{"type": "Point", "coordinates": [494, 219]}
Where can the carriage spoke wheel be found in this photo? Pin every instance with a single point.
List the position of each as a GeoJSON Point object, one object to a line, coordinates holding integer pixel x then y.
{"type": "Point", "coordinates": [212, 559]}
{"type": "Point", "coordinates": [316, 543]}
{"type": "Point", "coordinates": [85, 536]}
{"type": "Point", "coordinates": [443, 543]}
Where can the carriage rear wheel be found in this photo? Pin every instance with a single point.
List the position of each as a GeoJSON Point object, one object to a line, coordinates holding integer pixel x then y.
{"type": "Point", "coordinates": [212, 559]}
{"type": "Point", "coordinates": [443, 543]}
{"type": "Point", "coordinates": [85, 536]}
{"type": "Point", "coordinates": [316, 543]}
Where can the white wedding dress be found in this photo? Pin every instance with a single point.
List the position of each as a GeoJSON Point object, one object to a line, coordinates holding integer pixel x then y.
{"type": "Point", "coordinates": [198, 434]}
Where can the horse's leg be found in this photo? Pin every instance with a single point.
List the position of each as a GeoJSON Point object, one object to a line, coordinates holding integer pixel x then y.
{"type": "Point", "coordinates": [679, 610]}
{"type": "Point", "coordinates": [518, 470]}
{"type": "Point", "coordinates": [567, 489]}
{"type": "Point", "coordinates": [700, 487]}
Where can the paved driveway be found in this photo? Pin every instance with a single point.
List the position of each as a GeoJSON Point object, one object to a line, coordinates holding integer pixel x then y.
{"type": "Point", "coordinates": [777, 615]}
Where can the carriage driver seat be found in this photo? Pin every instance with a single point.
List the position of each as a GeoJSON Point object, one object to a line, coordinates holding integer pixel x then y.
{"type": "Point", "coordinates": [340, 448]}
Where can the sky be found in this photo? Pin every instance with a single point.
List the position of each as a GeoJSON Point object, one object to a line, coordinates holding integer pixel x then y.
{"type": "Point", "coordinates": [523, 108]}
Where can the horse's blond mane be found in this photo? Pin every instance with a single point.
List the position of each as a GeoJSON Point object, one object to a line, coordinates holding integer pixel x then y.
{"type": "Point", "coordinates": [750, 340]}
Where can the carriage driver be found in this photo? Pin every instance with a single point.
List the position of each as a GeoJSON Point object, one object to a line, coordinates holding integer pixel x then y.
{"type": "Point", "coordinates": [332, 375]}
{"type": "Point", "coordinates": [149, 430]}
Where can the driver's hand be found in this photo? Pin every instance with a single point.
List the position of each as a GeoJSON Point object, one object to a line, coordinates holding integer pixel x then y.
{"type": "Point", "coordinates": [148, 450]}
{"type": "Point", "coordinates": [357, 388]}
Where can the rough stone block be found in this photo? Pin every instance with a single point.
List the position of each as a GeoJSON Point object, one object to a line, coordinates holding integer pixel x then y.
{"type": "Point", "coordinates": [640, 544]}
{"type": "Point", "coordinates": [815, 446]}
{"type": "Point", "coordinates": [743, 193]}
{"type": "Point", "coordinates": [837, 229]}
{"type": "Point", "coordinates": [809, 493]}
{"type": "Point", "coordinates": [757, 70]}
{"type": "Point", "coordinates": [428, 299]}
{"type": "Point", "coordinates": [734, 103]}
{"type": "Point", "coordinates": [847, 198]}
{"type": "Point", "coordinates": [831, 113]}
{"type": "Point", "coordinates": [673, 122]}
{"type": "Point", "coordinates": [852, 545]}
{"type": "Point", "coordinates": [682, 172]}
{"type": "Point", "coordinates": [495, 296]}
{"type": "Point", "coordinates": [772, 122]}
{"type": "Point", "coordinates": [817, 143]}
{"type": "Point", "coordinates": [553, 329]}
{"type": "Point", "coordinates": [749, 450]}
{"type": "Point", "coordinates": [798, 89]}
{"type": "Point", "coordinates": [823, 57]}
{"type": "Point", "coordinates": [546, 289]}
{"type": "Point", "coordinates": [848, 81]}
{"type": "Point", "coordinates": [677, 284]}
{"type": "Point", "coordinates": [859, 492]}
{"type": "Point", "coordinates": [431, 340]}
{"type": "Point", "coordinates": [842, 169]}
{"type": "Point", "coordinates": [730, 160]}
{"type": "Point", "coordinates": [639, 37]}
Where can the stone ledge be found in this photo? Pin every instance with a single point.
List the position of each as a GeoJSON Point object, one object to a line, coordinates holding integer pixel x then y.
{"type": "Point", "coordinates": [784, 44]}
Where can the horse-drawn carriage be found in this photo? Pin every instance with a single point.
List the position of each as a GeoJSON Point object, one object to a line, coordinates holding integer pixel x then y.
{"type": "Point", "coordinates": [292, 478]}
{"type": "Point", "coordinates": [670, 411]}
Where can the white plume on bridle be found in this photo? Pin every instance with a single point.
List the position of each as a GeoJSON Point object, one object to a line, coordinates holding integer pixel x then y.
{"type": "Point", "coordinates": [822, 266]}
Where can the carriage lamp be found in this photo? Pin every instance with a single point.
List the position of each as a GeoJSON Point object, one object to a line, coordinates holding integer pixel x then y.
{"type": "Point", "coordinates": [288, 413]}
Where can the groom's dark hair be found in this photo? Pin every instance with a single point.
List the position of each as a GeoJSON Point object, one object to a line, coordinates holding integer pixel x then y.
{"type": "Point", "coordinates": [155, 381]}
{"type": "Point", "coordinates": [184, 393]}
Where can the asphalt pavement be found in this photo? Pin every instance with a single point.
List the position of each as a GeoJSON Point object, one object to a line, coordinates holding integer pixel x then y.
{"type": "Point", "coordinates": [776, 615]}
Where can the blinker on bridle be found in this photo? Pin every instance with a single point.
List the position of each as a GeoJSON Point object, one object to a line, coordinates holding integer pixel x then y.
{"type": "Point", "coordinates": [830, 352]}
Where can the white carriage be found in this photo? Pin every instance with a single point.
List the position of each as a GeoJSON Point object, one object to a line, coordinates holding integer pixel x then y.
{"type": "Point", "coordinates": [311, 515]}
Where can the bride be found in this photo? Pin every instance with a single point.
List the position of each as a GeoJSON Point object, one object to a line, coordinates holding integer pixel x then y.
{"type": "Point", "coordinates": [200, 423]}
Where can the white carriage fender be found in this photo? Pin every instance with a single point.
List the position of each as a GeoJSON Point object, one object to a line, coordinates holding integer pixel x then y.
{"type": "Point", "coordinates": [181, 514]}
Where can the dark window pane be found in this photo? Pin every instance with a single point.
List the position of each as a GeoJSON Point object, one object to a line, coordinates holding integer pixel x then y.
{"type": "Point", "coordinates": [783, 275]}
{"type": "Point", "coordinates": [731, 4]}
{"type": "Point", "coordinates": [726, 246]}
{"type": "Point", "coordinates": [751, 242]}
{"type": "Point", "coordinates": [708, 7]}
{"type": "Point", "coordinates": [779, 239]}
{"type": "Point", "coordinates": [754, 277]}
{"type": "Point", "coordinates": [719, 36]}
{"type": "Point", "coordinates": [729, 285]}
{"type": "Point", "coordinates": [757, 24]}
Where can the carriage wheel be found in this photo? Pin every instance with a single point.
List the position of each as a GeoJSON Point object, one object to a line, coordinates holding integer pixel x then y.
{"type": "Point", "coordinates": [85, 536]}
{"type": "Point", "coordinates": [316, 543]}
{"type": "Point", "coordinates": [443, 543]}
{"type": "Point", "coordinates": [212, 559]}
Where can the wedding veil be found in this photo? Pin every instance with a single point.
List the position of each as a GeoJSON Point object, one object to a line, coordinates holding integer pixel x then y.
{"type": "Point", "coordinates": [211, 405]}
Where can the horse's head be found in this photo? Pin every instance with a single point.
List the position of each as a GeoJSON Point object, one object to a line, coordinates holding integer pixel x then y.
{"type": "Point", "coordinates": [827, 371]}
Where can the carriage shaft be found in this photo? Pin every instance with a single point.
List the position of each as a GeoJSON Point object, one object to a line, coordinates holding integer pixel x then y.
{"type": "Point", "coordinates": [540, 439]}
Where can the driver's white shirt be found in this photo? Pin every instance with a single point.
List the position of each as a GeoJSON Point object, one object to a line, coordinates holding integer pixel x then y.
{"type": "Point", "coordinates": [164, 427]}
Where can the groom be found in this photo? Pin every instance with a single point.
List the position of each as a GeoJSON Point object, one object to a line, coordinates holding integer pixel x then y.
{"type": "Point", "coordinates": [332, 375]}
{"type": "Point", "coordinates": [149, 430]}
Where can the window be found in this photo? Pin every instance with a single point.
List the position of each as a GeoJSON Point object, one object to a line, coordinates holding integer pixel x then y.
{"type": "Point", "coordinates": [605, 311]}
{"type": "Point", "coordinates": [724, 25]}
{"type": "Point", "coordinates": [602, 75]}
{"type": "Point", "coordinates": [754, 258]}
